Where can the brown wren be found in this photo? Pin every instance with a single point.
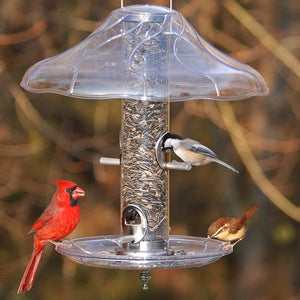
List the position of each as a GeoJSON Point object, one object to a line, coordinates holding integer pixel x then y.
{"type": "Point", "coordinates": [229, 229]}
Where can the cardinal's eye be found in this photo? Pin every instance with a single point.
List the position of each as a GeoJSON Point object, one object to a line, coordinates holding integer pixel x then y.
{"type": "Point", "coordinates": [69, 190]}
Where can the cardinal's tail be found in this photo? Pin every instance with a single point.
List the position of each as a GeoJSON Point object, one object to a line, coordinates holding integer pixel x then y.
{"type": "Point", "coordinates": [29, 274]}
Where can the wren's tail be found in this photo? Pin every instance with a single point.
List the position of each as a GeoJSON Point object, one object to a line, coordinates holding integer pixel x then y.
{"type": "Point", "coordinates": [251, 211]}
{"type": "Point", "coordinates": [29, 274]}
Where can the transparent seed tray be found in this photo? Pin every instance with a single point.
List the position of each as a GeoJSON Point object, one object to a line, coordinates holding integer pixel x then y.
{"type": "Point", "coordinates": [106, 252]}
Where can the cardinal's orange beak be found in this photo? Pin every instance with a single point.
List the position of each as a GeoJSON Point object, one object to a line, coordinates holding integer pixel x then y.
{"type": "Point", "coordinates": [78, 193]}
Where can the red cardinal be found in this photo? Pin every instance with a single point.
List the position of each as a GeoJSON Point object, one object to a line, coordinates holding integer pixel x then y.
{"type": "Point", "coordinates": [57, 221]}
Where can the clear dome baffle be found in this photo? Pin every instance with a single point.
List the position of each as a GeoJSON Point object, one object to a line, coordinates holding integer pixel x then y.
{"type": "Point", "coordinates": [100, 67]}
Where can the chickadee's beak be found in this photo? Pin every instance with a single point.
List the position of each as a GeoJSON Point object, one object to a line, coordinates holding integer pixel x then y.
{"type": "Point", "coordinates": [78, 193]}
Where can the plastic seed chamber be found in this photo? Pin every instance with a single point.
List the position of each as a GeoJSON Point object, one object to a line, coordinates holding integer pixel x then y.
{"type": "Point", "coordinates": [148, 56]}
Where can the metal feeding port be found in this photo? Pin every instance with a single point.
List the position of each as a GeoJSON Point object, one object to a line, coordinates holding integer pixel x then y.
{"type": "Point", "coordinates": [134, 224]}
{"type": "Point", "coordinates": [148, 56]}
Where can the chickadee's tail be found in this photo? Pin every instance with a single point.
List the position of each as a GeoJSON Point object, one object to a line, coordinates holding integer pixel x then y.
{"type": "Point", "coordinates": [226, 165]}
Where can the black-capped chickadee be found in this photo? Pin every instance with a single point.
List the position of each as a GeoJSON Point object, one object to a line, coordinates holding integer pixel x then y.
{"type": "Point", "coordinates": [191, 151]}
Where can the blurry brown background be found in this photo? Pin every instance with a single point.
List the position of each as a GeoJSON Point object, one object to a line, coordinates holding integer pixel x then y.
{"type": "Point", "coordinates": [45, 137]}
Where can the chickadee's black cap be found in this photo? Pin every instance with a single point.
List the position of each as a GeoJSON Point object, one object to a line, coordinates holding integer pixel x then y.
{"type": "Point", "coordinates": [172, 136]}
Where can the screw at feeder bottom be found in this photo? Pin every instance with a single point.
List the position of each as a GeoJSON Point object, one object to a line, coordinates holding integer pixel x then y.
{"type": "Point", "coordinates": [145, 276]}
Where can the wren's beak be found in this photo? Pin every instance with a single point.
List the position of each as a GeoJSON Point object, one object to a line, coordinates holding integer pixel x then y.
{"type": "Point", "coordinates": [78, 193]}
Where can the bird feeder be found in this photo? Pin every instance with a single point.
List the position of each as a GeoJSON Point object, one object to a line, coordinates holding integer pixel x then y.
{"type": "Point", "coordinates": [148, 56]}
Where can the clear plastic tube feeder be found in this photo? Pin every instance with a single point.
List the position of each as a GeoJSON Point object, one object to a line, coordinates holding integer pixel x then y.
{"type": "Point", "coordinates": [148, 56]}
